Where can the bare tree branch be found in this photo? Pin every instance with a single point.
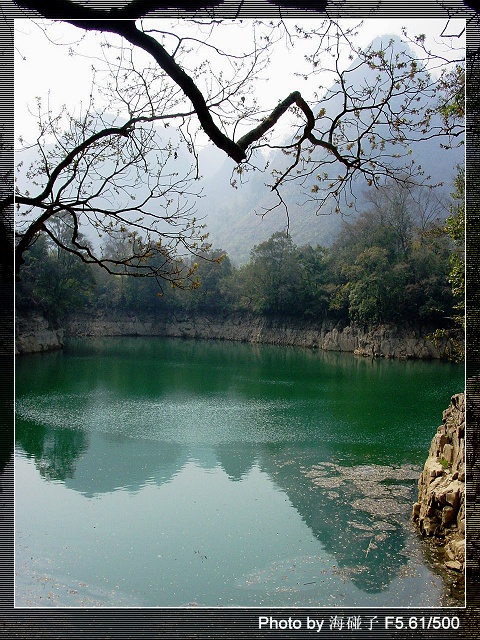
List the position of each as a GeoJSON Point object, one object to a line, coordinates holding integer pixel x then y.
{"type": "Point", "coordinates": [392, 107]}
{"type": "Point", "coordinates": [66, 10]}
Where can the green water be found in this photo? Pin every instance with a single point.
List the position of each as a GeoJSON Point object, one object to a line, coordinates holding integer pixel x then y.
{"type": "Point", "coordinates": [155, 472]}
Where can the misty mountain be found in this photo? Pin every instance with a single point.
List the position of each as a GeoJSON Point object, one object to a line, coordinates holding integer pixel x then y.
{"type": "Point", "coordinates": [234, 215]}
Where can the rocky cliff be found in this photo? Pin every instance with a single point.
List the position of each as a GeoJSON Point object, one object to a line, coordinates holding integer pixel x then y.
{"type": "Point", "coordinates": [440, 511]}
{"type": "Point", "coordinates": [383, 341]}
{"type": "Point", "coordinates": [35, 334]}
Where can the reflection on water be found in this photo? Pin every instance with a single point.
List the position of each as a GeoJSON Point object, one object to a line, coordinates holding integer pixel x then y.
{"type": "Point", "coordinates": [165, 473]}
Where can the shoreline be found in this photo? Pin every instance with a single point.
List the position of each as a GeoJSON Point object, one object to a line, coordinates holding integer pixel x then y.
{"type": "Point", "coordinates": [35, 334]}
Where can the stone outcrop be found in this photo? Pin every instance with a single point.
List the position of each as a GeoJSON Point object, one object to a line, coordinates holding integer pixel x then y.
{"type": "Point", "coordinates": [35, 334]}
{"type": "Point", "coordinates": [440, 511]}
{"type": "Point", "coordinates": [383, 341]}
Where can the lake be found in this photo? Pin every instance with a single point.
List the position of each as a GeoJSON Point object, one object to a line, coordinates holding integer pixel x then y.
{"type": "Point", "coordinates": [161, 472]}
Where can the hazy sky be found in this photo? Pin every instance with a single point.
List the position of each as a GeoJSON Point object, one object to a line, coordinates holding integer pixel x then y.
{"type": "Point", "coordinates": [43, 68]}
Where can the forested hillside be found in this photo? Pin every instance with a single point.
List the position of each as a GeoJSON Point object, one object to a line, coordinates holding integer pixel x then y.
{"type": "Point", "coordinates": [395, 263]}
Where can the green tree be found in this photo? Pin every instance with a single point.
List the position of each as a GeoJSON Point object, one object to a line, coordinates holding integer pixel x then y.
{"type": "Point", "coordinates": [454, 229]}
{"type": "Point", "coordinates": [451, 102]}
{"type": "Point", "coordinates": [369, 282]}
{"type": "Point", "coordinates": [274, 276]}
{"type": "Point", "coordinates": [214, 272]}
{"type": "Point", "coordinates": [313, 289]}
{"type": "Point", "coordinates": [395, 234]}
{"type": "Point", "coordinates": [54, 282]}
{"type": "Point", "coordinates": [428, 297]}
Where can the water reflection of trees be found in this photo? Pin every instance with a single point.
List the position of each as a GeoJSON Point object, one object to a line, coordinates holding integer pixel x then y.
{"type": "Point", "coordinates": [97, 463]}
{"type": "Point", "coordinates": [55, 451]}
{"type": "Point", "coordinates": [236, 459]}
{"type": "Point", "coordinates": [6, 410]}
{"type": "Point", "coordinates": [361, 523]}
{"type": "Point", "coordinates": [116, 462]}
{"type": "Point", "coordinates": [359, 520]}
{"type": "Point", "coordinates": [240, 410]}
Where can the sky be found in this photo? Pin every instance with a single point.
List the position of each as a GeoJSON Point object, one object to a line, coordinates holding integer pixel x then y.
{"type": "Point", "coordinates": [47, 70]}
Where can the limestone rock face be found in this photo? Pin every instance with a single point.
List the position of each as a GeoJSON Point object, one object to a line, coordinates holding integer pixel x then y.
{"type": "Point", "coordinates": [381, 342]}
{"type": "Point", "coordinates": [440, 510]}
{"type": "Point", "coordinates": [391, 342]}
{"type": "Point", "coordinates": [35, 334]}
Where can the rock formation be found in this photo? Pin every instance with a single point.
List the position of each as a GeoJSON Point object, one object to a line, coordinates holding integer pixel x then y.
{"type": "Point", "coordinates": [35, 334]}
{"type": "Point", "coordinates": [383, 341]}
{"type": "Point", "coordinates": [440, 510]}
